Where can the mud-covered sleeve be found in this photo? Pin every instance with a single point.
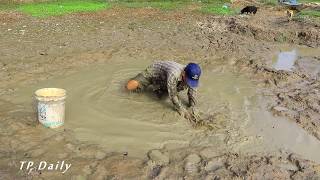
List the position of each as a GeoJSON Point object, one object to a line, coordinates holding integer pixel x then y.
{"type": "Point", "coordinates": [192, 92]}
{"type": "Point", "coordinates": [173, 93]}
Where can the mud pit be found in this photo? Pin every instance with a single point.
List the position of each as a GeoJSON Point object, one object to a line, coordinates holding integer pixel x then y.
{"type": "Point", "coordinates": [99, 109]}
{"type": "Point", "coordinates": [253, 117]}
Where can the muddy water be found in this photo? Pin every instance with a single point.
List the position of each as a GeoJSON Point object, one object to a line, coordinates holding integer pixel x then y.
{"type": "Point", "coordinates": [289, 57]}
{"type": "Point", "coordinates": [285, 60]}
{"type": "Point", "coordinates": [100, 111]}
{"type": "Point", "coordinates": [278, 133]}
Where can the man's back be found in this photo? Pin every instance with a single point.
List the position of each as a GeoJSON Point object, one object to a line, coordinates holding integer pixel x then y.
{"type": "Point", "coordinates": [162, 71]}
{"type": "Point", "coordinates": [164, 68]}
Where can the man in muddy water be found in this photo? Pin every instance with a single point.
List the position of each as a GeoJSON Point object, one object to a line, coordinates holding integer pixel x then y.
{"type": "Point", "coordinates": [170, 77]}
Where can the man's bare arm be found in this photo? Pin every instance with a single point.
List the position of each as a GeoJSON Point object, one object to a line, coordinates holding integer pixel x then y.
{"type": "Point", "coordinates": [192, 92]}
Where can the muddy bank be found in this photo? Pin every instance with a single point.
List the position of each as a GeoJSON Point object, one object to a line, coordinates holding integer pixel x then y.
{"type": "Point", "coordinates": [295, 92]}
{"type": "Point", "coordinates": [34, 50]}
{"type": "Point", "coordinates": [207, 164]}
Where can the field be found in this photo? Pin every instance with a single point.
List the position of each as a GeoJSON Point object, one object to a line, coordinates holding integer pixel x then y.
{"type": "Point", "coordinates": [258, 95]}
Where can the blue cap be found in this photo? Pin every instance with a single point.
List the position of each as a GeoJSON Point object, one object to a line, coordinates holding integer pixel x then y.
{"type": "Point", "coordinates": [193, 72]}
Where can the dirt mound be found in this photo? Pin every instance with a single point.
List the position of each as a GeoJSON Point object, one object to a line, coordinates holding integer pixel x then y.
{"type": "Point", "coordinates": [230, 33]}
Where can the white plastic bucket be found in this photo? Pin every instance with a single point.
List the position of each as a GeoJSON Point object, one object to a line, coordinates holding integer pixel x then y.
{"type": "Point", "coordinates": [51, 106]}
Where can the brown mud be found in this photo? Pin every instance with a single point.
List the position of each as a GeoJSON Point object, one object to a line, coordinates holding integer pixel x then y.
{"type": "Point", "coordinates": [38, 50]}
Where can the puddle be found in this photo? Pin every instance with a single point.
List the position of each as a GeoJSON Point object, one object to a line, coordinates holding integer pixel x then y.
{"type": "Point", "coordinates": [288, 58]}
{"type": "Point", "coordinates": [100, 111]}
{"type": "Point", "coordinates": [285, 60]}
{"type": "Point", "coordinates": [279, 133]}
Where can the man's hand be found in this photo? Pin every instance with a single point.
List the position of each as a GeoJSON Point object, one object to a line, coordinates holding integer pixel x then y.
{"type": "Point", "coordinates": [182, 112]}
{"type": "Point", "coordinates": [189, 116]}
{"type": "Point", "coordinates": [195, 112]}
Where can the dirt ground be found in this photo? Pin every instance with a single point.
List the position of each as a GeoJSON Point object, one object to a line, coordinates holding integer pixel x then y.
{"type": "Point", "coordinates": [33, 50]}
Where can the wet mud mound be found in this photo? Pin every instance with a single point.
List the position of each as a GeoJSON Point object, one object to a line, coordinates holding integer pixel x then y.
{"type": "Point", "coordinates": [234, 34]}
{"type": "Point", "coordinates": [301, 103]}
{"type": "Point", "coordinates": [206, 163]}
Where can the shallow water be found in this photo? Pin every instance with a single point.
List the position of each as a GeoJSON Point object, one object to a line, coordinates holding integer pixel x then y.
{"type": "Point", "coordinates": [279, 133]}
{"type": "Point", "coordinates": [100, 111]}
{"type": "Point", "coordinates": [285, 60]}
{"type": "Point", "coordinates": [288, 57]}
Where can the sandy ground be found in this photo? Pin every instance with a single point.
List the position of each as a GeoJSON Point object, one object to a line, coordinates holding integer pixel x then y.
{"type": "Point", "coordinates": [34, 50]}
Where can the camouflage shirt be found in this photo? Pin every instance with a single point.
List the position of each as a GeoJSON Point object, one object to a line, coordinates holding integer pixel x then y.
{"type": "Point", "coordinates": [166, 75]}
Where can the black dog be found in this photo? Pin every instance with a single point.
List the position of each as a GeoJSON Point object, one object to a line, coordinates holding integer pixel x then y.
{"type": "Point", "coordinates": [249, 9]}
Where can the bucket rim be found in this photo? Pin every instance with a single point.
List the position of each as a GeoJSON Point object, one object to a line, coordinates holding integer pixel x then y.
{"type": "Point", "coordinates": [59, 92]}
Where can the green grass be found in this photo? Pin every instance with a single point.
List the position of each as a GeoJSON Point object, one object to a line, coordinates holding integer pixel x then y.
{"type": "Point", "coordinates": [164, 5]}
{"type": "Point", "coordinates": [308, 1]}
{"type": "Point", "coordinates": [207, 6]}
{"type": "Point", "coordinates": [218, 7]}
{"type": "Point", "coordinates": [61, 7]}
{"type": "Point", "coordinates": [218, 10]}
{"type": "Point", "coordinates": [310, 13]}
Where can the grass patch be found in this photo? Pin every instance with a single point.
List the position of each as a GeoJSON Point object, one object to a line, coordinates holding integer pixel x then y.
{"type": "Point", "coordinates": [164, 5]}
{"type": "Point", "coordinates": [310, 13]}
{"type": "Point", "coordinates": [61, 7]}
{"type": "Point", "coordinates": [218, 8]}
{"type": "Point", "coordinates": [308, 1]}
